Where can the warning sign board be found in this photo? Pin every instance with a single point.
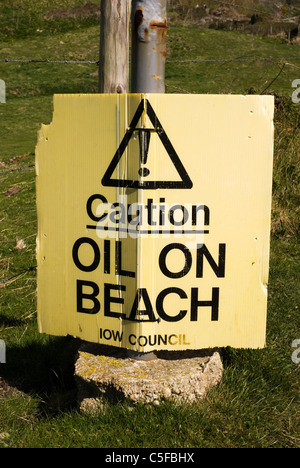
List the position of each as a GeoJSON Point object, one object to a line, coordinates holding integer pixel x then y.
{"type": "Point", "coordinates": [154, 220]}
{"type": "Point", "coordinates": [143, 179]}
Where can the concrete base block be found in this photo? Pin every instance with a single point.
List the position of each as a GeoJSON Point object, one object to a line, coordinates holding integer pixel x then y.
{"type": "Point", "coordinates": [110, 374]}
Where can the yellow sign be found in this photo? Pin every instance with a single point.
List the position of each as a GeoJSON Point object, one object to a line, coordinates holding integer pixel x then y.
{"type": "Point", "coordinates": [154, 220]}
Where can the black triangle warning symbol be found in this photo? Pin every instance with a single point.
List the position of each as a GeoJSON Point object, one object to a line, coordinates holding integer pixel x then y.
{"type": "Point", "coordinates": [144, 140]}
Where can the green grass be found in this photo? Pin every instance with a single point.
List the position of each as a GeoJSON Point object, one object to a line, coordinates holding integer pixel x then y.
{"type": "Point", "coordinates": [23, 18]}
{"type": "Point", "coordinates": [257, 401]}
{"type": "Point", "coordinates": [236, 77]}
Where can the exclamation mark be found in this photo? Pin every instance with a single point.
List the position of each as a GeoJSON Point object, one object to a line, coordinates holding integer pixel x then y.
{"type": "Point", "coordinates": [144, 140]}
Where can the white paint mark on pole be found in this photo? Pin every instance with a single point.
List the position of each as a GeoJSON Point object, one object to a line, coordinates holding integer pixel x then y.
{"type": "Point", "coordinates": [2, 92]}
{"type": "Point", "coordinates": [2, 352]}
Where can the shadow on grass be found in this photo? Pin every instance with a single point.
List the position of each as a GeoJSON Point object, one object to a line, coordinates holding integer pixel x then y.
{"type": "Point", "coordinates": [44, 370]}
{"type": "Point", "coordinates": [7, 322]}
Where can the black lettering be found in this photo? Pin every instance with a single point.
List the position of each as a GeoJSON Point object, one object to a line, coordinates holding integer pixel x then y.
{"type": "Point", "coordinates": [107, 257]}
{"type": "Point", "coordinates": [185, 215]}
{"type": "Point", "coordinates": [195, 210]}
{"type": "Point", "coordinates": [108, 299]}
{"type": "Point", "coordinates": [150, 207]}
{"type": "Point", "coordinates": [162, 339]}
{"type": "Point", "coordinates": [107, 334]}
{"type": "Point", "coordinates": [91, 297]}
{"type": "Point", "coordinates": [117, 336]}
{"type": "Point", "coordinates": [152, 342]}
{"type": "Point", "coordinates": [214, 304]}
{"type": "Point", "coordinates": [130, 339]}
{"type": "Point", "coordinates": [96, 261]}
{"type": "Point", "coordinates": [162, 260]}
{"type": "Point", "coordinates": [119, 270]}
{"type": "Point", "coordinates": [89, 207]}
{"type": "Point", "coordinates": [142, 294]}
{"type": "Point", "coordinates": [219, 269]}
{"type": "Point", "coordinates": [118, 216]}
{"type": "Point", "coordinates": [159, 305]}
{"type": "Point", "coordinates": [140, 340]}
{"type": "Point", "coordinates": [161, 212]}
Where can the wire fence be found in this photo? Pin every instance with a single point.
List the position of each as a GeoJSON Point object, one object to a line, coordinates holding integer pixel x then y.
{"type": "Point", "coordinates": [281, 60]}
{"type": "Point", "coordinates": [11, 278]}
{"type": "Point", "coordinates": [61, 62]}
{"type": "Point", "coordinates": [90, 62]}
{"type": "Point", "coordinates": [7, 171]}
{"type": "Point", "coordinates": [231, 4]}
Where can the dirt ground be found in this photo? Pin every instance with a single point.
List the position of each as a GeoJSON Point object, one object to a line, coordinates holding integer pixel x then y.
{"type": "Point", "coordinates": [81, 12]}
{"type": "Point", "coordinates": [7, 390]}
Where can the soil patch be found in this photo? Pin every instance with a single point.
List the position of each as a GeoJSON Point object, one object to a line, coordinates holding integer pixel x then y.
{"type": "Point", "coordinates": [78, 12]}
{"type": "Point", "coordinates": [7, 391]}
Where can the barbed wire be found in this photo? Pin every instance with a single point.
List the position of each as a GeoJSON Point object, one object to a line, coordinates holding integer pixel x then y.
{"type": "Point", "coordinates": [16, 169]}
{"type": "Point", "coordinates": [62, 62]}
{"type": "Point", "coordinates": [32, 268]}
{"type": "Point", "coordinates": [97, 62]}
{"type": "Point", "coordinates": [249, 59]}
{"type": "Point", "coordinates": [74, 62]}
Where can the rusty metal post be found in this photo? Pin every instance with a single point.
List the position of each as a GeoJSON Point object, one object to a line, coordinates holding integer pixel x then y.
{"type": "Point", "coordinates": [149, 29]}
{"type": "Point", "coordinates": [148, 59]}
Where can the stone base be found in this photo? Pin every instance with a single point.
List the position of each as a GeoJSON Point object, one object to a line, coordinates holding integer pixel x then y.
{"type": "Point", "coordinates": [104, 373]}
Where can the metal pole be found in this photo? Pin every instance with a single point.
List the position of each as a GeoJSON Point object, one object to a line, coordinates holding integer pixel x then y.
{"type": "Point", "coordinates": [114, 46]}
{"type": "Point", "coordinates": [149, 29]}
{"type": "Point", "coordinates": [148, 59]}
